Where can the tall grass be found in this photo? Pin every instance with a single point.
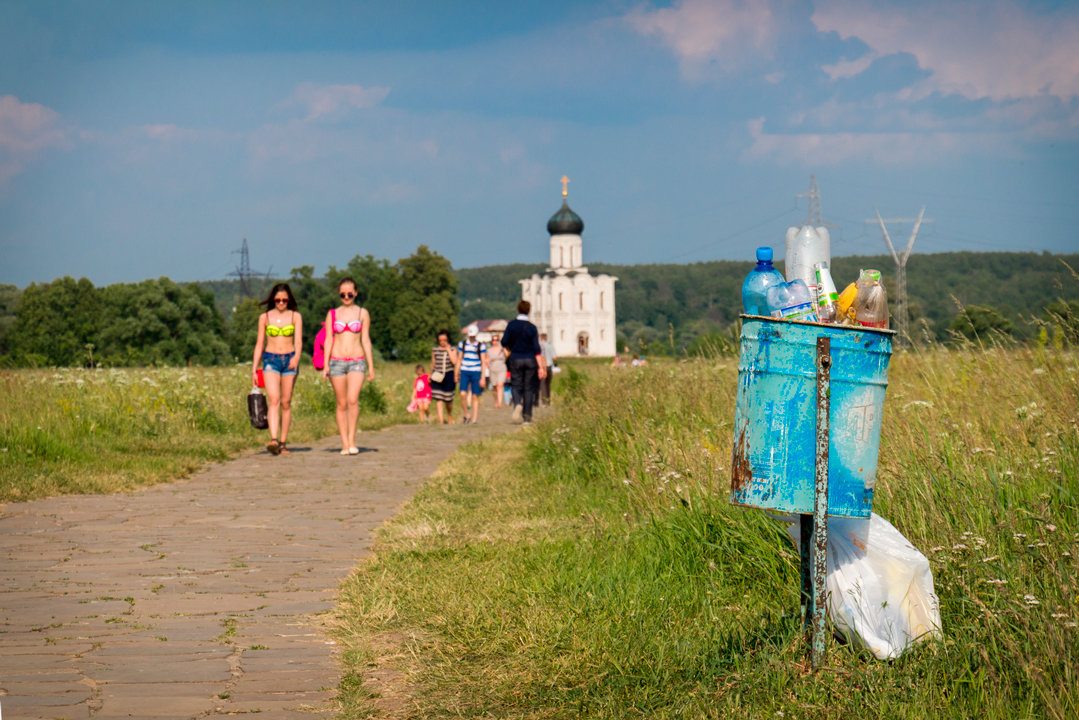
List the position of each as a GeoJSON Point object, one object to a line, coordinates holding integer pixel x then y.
{"type": "Point", "coordinates": [595, 568]}
{"type": "Point", "coordinates": [89, 431]}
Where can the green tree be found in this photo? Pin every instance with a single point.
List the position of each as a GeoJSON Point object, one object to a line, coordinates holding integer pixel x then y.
{"type": "Point", "coordinates": [978, 322]}
{"type": "Point", "coordinates": [161, 322]}
{"type": "Point", "coordinates": [55, 322]}
{"type": "Point", "coordinates": [244, 327]}
{"type": "Point", "coordinates": [426, 304]}
{"type": "Point", "coordinates": [9, 300]}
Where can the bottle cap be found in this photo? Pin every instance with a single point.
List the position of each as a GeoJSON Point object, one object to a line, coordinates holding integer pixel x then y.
{"type": "Point", "coordinates": [873, 275]}
{"type": "Point", "coordinates": [764, 254]}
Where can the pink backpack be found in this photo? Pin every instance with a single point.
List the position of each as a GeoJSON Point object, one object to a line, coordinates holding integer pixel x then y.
{"type": "Point", "coordinates": [318, 358]}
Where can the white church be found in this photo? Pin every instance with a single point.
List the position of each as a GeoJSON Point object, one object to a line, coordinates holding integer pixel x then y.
{"type": "Point", "coordinates": [574, 308]}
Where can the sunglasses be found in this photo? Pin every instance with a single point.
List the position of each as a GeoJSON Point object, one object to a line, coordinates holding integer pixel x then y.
{"type": "Point", "coordinates": [347, 295]}
{"type": "Point", "coordinates": [281, 300]}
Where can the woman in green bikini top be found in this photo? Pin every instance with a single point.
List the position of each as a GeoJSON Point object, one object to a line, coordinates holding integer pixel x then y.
{"type": "Point", "coordinates": [277, 346]}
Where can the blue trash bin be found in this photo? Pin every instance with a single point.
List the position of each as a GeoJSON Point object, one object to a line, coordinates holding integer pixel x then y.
{"type": "Point", "coordinates": [774, 454]}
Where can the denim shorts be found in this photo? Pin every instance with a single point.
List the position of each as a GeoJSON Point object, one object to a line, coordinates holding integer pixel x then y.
{"type": "Point", "coordinates": [340, 368]}
{"type": "Point", "coordinates": [470, 379]}
{"type": "Point", "coordinates": [278, 363]}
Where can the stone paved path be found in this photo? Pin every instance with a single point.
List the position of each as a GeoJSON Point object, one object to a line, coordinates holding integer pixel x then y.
{"type": "Point", "coordinates": [206, 596]}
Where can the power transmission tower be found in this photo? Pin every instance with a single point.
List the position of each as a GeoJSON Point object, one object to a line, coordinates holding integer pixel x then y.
{"type": "Point", "coordinates": [243, 270]}
{"type": "Point", "coordinates": [902, 318]}
{"type": "Point", "coordinates": [813, 216]}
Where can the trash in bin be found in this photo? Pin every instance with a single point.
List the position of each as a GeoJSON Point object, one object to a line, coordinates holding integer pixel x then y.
{"type": "Point", "coordinates": [774, 451]}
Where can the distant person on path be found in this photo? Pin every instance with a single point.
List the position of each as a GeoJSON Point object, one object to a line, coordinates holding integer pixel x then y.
{"type": "Point", "coordinates": [525, 361]}
{"type": "Point", "coordinates": [348, 360]}
{"type": "Point", "coordinates": [496, 361]}
{"type": "Point", "coordinates": [471, 366]}
{"type": "Point", "coordinates": [443, 362]}
{"type": "Point", "coordinates": [280, 337]}
{"type": "Point", "coordinates": [548, 362]}
{"type": "Point", "coordinates": [421, 394]}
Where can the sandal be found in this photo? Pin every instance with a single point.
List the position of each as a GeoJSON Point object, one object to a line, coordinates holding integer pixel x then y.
{"type": "Point", "coordinates": [273, 447]}
{"type": "Point", "coordinates": [283, 450]}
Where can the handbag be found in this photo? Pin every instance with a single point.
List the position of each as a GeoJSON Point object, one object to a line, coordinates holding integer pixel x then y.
{"type": "Point", "coordinates": [258, 410]}
{"type": "Point", "coordinates": [438, 376]}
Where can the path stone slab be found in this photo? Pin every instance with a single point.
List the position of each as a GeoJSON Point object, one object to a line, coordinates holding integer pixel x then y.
{"type": "Point", "coordinates": [149, 604]}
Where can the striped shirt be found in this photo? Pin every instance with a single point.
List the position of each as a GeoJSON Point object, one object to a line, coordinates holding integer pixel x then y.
{"type": "Point", "coordinates": [471, 355]}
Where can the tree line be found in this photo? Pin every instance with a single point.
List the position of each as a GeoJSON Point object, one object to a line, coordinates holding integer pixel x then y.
{"type": "Point", "coordinates": [661, 309]}
{"type": "Point", "coordinates": [671, 309]}
{"type": "Point", "coordinates": [71, 322]}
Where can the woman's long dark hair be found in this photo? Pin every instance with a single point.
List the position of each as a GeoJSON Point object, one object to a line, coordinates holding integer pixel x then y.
{"type": "Point", "coordinates": [269, 303]}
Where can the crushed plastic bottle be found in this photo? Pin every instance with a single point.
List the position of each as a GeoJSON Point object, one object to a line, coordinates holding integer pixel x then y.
{"type": "Point", "coordinates": [791, 301]}
{"type": "Point", "coordinates": [755, 286]}
{"type": "Point", "coordinates": [871, 303]}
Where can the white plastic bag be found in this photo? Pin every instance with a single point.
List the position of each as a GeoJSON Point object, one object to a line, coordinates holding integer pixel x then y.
{"type": "Point", "coordinates": [880, 587]}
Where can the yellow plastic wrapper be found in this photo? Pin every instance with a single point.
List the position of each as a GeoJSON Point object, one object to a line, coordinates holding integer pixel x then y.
{"type": "Point", "coordinates": [845, 304]}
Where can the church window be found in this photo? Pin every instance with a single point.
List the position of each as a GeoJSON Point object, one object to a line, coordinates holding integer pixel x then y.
{"type": "Point", "coordinates": [559, 301]}
{"type": "Point", "coordinates": [580, 301]}
{"type": "Point", "coordinates": [601, 300]}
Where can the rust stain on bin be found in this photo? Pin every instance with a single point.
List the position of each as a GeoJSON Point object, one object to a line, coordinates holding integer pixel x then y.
{"type": "Point", "coordinates": [741, 472]}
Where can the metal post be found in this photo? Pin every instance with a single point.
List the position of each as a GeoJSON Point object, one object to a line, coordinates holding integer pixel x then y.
{"type": "Point", "coordinates": [819, 523]}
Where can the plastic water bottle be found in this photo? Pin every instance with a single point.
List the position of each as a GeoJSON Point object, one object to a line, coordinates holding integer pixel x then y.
{"type": "Point", "coordinates": [755, 287]}
{"type": "Point", "coordinates": [791, 301]}
{"type": "Point", "coordinates": [806, 246]}
{"type": "Point", "coordinates": [827, 296]}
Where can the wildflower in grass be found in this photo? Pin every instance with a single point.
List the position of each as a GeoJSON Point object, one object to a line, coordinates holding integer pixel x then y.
{"type": "Point", "coordinates": [997, 581]}
{"type": "Point", "coordinates": [960, 546]}
{"type": "Point", "coordinates": [1049, 527]}
{"type": "Point", "coordinates": [1030, 600]}
{"type": "Point", "coordinates": [991, 558]}
{"type": "Point", "coordinates": [938, 548]}
{"type": "Point", "coordinates": [918, 403]}
{"type": "Point", "coordinates": [1058, 616]}
{"type": "Point", "coordinates": [1018, 536]}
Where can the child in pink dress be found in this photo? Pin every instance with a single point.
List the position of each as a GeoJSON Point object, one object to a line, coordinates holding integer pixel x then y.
{"type": "Point", "coordinates": [421, 394]}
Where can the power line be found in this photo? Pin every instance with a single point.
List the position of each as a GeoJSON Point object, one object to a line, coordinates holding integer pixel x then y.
{"type": "Point", "coordinates": [902, 318]}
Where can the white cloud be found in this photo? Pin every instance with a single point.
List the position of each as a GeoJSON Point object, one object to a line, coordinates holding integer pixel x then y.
{"type": "Point", "coordinates": [881, 148]}
{"type": "Point", "coordinates": [701, 32]}
{"type": "Point", "coordinates": [996, 50]}
{"type": "Point", "coordinates": [332, 100]}
{"type": "Point", "coordinates": [25, 130]}
{"type": "Point", "coordinates": [849, 68]}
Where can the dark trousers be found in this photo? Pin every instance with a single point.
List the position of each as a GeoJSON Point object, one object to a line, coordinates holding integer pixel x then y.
{"type": "Point", "coordinates": [545, 389]}
{"type": "Point", "coordinates": [524, 377]}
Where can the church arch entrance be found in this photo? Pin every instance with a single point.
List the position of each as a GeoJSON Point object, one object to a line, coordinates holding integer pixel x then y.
{"type": "Point", "coordinates": [582, 343]}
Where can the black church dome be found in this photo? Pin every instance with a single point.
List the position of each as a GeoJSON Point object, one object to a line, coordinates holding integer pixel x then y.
{"type": "Point", "coordinates": [565, 222]}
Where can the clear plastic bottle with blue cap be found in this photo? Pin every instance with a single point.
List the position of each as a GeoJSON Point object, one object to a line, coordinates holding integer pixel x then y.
{"type": "Point", "coordinates": [755, 286]}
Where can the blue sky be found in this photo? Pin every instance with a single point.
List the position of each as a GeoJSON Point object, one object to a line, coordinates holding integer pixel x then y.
{"type": "Point", "coordinates": [140, 139]}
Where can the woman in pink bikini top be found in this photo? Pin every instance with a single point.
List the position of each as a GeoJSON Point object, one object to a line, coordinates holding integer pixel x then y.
{"type": "Point", "coordinates": [348, 360]}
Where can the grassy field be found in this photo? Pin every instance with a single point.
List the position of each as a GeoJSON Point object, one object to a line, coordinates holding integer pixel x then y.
{"type": "Point", "coordinates": [92, 431]}
{"type": "Point", "coordinates": [592, 567]}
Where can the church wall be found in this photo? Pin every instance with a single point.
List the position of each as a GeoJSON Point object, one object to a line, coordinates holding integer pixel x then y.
{"type": "Point", "coordinates": [563, 306]}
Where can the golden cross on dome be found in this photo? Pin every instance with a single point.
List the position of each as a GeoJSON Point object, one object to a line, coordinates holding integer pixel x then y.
{"type": "Point", "coordinates": [565, 181]}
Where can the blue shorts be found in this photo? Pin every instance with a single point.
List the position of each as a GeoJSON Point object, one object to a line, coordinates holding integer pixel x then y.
{"type": "Point", "coordinates": [340, 367]}
{"type": "Point", "coordinates": [278, 363]}
{"type": "Point", "coordinates": [471, 379]}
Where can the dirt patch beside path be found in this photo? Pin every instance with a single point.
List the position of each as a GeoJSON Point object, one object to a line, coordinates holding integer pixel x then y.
{"type": "Point", "coordinates": [205, 596]}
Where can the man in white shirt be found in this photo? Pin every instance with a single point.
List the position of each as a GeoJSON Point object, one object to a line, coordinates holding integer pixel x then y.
{"type": "Point", "coordinates": [548, 362]}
